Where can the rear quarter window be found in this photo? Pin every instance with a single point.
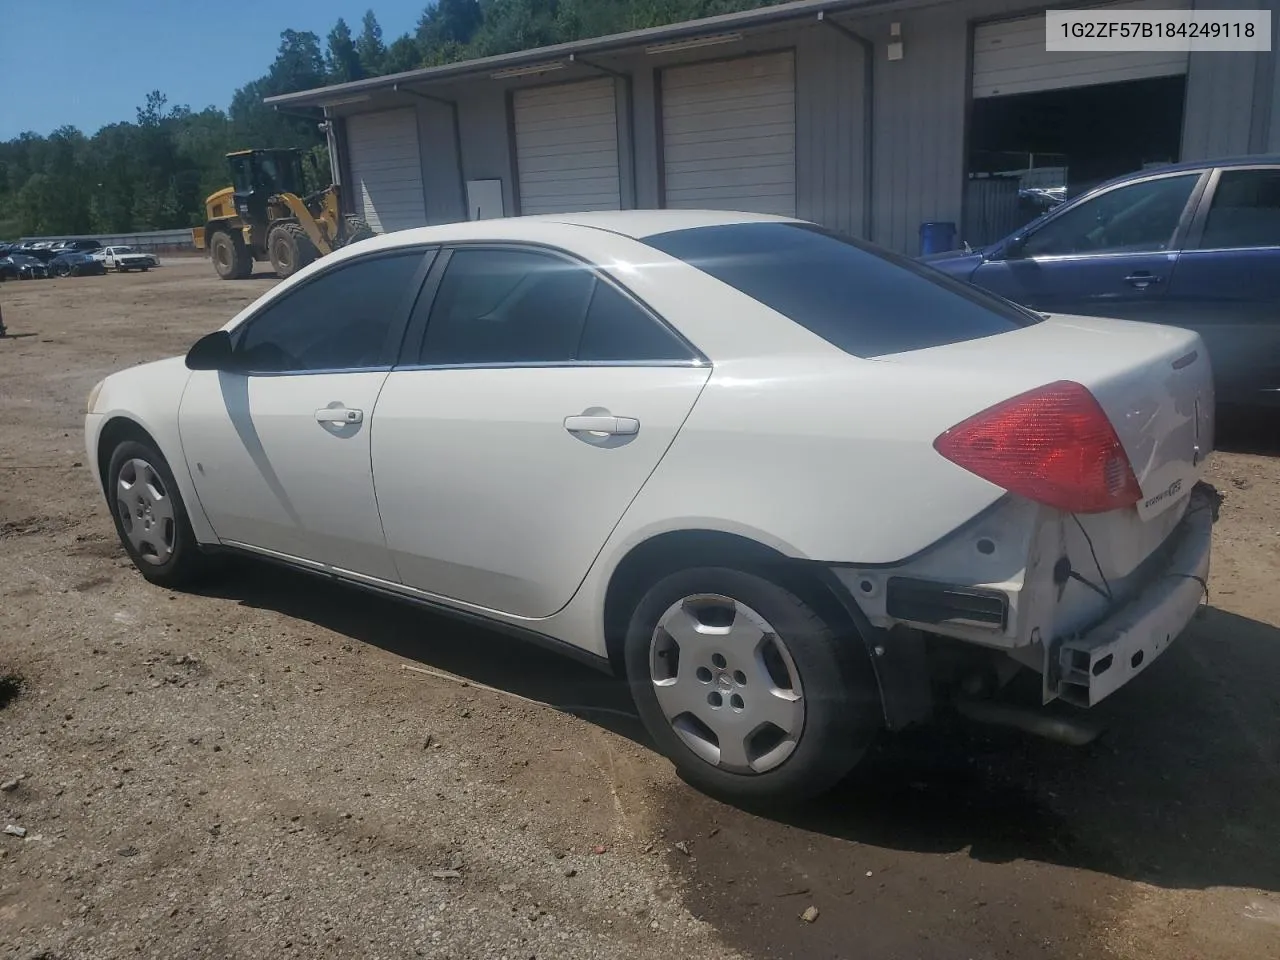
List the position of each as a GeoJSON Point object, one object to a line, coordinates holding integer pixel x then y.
{"type": "Point", "coordinates": [866, 301]}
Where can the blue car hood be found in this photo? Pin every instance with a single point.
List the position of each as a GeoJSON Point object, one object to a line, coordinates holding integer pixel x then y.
{"type": "Point", "coordinates": [955, 263]}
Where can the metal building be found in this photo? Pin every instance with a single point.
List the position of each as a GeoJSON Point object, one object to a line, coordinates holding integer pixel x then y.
{"type": "Point", "coordinates": [869, 116]}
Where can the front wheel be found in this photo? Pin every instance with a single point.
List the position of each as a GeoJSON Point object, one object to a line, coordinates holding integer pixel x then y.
{"type": "Point", "coordinates": [356, 229]}
{"type": "Point", "coordinates": [289, 249]}
{"type": "Point", "coordinates": [150, 517]}
{"type": "Point", "coordinates": [753, 694]}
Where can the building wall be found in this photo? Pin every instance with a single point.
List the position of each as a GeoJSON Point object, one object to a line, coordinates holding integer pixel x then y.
{"type": "Point", "coordinates": [1220, 97]}
{"type": "Point", "coordinates": [441, 177]}
{"type": "Point", "coordinates": [920, 108]}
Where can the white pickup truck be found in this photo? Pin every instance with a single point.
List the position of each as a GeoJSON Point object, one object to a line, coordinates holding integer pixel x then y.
{"type": "Point", "coordinates": [124, 259]}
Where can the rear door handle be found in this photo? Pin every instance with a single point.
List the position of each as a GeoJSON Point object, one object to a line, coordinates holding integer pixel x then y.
{"type": "Point", "coordinates": [1142, 279]}
{"type": "Point", "coordinates": [338, 415]}
{"type": "Point", "coordinates": [617, 426]}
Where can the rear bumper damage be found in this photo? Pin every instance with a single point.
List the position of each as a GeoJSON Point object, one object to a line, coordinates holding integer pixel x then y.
{"type": "Point", "coordinates": [1087, 667]}
{"type": "Point", "coordinates": [976, 629]}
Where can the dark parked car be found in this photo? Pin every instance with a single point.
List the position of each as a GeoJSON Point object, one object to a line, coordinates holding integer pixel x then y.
{"type": "Point", "coordinates": [1195, 245]}
{"type": "Point", "coordinates": [43, 253]}
{"type": "Point", "coordinates": [19, 266]}
{"type": "Point", "coordinates": [73, 263]}
{"type": "Point", "coordinates": [63, 246]}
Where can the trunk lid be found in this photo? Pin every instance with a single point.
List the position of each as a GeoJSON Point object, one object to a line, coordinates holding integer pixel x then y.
{"type": "Point", "coordinates": [1153, 382]}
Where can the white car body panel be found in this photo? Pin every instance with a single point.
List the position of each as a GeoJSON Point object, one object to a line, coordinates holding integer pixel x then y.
{"type": "Point", "coordinates": [488, 500]}
{"type": "Point", "coordinates": [461, 485]}
{"type": "Point", "coordinates": [115, 257]}
{"type": "Point", "coordinates": [271, 476]}
{"type": "Point", "coordinates": [149, 395]}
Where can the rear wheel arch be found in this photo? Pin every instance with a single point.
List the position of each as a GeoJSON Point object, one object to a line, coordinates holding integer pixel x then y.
{"type": "Point", "coordinates": [666, 553]}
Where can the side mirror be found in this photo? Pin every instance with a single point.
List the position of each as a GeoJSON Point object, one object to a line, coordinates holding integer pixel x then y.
{"type": "Point", "coordinates": [211, 352]}
{"type": "Point", "coordinates": [1012, 249]}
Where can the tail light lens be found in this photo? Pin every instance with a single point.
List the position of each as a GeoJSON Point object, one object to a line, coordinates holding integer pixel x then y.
{"type": "Point", "coordinates": [1053, 445]}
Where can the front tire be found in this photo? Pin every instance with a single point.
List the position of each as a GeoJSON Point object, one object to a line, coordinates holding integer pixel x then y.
{"type": "Point", "coordinates": [356, 229]}
{"type": "Point", "coordinates": [150, 517]}
{"type": "Point", "coordinates": [290, 249]}
{"type": "Point", "coordinates": [755, 696]}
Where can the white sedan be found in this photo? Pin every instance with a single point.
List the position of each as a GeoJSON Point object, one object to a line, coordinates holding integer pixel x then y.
{"type": "Point", "coordinates": [789, 484]}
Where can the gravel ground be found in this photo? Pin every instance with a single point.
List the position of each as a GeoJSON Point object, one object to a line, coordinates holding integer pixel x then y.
{"type": "Point", "coordinates": [278, 766]}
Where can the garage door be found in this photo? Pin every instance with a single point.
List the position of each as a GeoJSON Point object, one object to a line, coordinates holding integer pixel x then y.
{"type": "Point", "coordinates": [386, 169]}
{"type": "Point", "coordinates": [567, 147]}
{"type": "Point", "coordinates": [1009, 57]}
{"type": "Point", "coordinates": [729, 135]}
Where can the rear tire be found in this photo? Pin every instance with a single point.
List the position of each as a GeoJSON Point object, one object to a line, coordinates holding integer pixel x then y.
{"type": "Point", "coordinates": [150, 517]}
{"type": "Point", "coordinates": [754, 695]}
{"type": "Point", "coordinates": [230, 256]}
{"type": "Point", "coordinates": [289, 248]}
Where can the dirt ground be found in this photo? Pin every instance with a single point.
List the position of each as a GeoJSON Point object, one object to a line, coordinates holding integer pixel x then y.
{"type": "Point", "coordinates": [264, 769]}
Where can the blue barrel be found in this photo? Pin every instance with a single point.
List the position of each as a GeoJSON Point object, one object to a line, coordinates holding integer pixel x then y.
{"type": "Point", "coordinates": [937, 237]}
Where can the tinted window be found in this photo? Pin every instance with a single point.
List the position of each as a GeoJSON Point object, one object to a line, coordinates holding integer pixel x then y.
{"type": "Point", "coordinates": [337, 321]}
{"type": "Point", "coordinates": [866, 301]}
{"type": "Point", "coordinates": [1140, 218]}
{"type": "Point", "coordinates": [617, 329]}
{"type": "Point", "coordinates": [1245, 211]}
{"type": "Point", "coordinates": [507, 306]}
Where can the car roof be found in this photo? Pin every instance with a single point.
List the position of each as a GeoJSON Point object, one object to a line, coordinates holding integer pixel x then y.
{"type": "Point", "coordinates": [1190, 165]}
{"type": "Point", "coordinates": [639, 224]}
{"type": "Point", "coordinates": [542, 228]}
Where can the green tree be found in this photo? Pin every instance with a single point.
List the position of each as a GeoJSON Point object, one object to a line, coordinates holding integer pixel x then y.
{"type": "Point", "coordinates": [369, 47]}
{"type": "Point", "coordinates": [450, 23]}
{"type": "Point", "coordinates": [402, 55]}
{"type": "Point", "coordinates": [342, 61]}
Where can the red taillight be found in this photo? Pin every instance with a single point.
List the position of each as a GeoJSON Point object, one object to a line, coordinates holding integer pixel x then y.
{"type": "Point", "coordinates": [1053, 445]}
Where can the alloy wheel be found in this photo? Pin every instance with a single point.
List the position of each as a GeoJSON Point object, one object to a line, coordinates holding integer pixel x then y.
{"type": "Point", "coordinates": [727, 684]}
{"type": "Point", "coordinates": [146, 511]}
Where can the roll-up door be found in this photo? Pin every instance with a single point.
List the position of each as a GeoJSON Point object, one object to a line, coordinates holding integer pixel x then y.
{"type": "Point", "coordinates": [729, 135]}
{"type": "Point", "coordinates": [1009, 57]}
{"type": "Point", "coordinates": [567, 147]}
{"type": "Point", "coordinates": [386, 169]}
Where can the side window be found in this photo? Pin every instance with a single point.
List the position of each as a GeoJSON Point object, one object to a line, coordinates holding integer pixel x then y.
{"type": "Point", "coordinates": [338, 321]}
{"type": "Point", "coordinates": [1140, 218]}
{"type": "Point", "coordinates": [507, 306]}
{"type": "Point", "coordinates": [1245, 211]}
{"type": "Point", "coordinates": [617, 329]}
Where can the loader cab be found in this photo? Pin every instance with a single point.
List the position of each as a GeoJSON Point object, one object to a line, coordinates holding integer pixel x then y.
{"type": "Point", "coordinates": [257, 175]}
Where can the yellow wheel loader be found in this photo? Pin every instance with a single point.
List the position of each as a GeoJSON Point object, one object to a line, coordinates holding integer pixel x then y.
{"type": "Point", "coordinates": [263, 216]}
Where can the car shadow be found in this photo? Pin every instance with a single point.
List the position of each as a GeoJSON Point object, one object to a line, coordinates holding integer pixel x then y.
{"type": "Point", "coordinates": [1247, 431]}
{"type": "Point", "coordinates": [474, 653]}
{"type": "Point", "coordinates": [1180, 791]}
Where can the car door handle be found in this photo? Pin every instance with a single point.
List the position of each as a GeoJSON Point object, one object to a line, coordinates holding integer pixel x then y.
{"type": "Point", "coordinates": [624, 426]}
{"type": "Point", "coordinates": [1141, 279]}
{"type": "Point", "coordinates": [338, 415]}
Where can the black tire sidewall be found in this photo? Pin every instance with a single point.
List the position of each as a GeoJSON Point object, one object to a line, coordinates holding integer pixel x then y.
{"type": "Point", "coordinates": [280, 240]}
{"type": "Point", "coordinates": [842, 704]}
{"type": "Point", "coordinates": [187, 561]}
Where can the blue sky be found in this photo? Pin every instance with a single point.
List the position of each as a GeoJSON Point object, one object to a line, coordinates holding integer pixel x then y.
{"type": "Point", "coordinates": [92, 62]}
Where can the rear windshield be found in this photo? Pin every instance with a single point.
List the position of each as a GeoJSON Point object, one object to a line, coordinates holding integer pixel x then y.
{"type": "Point", "coordinates": [864, 300]}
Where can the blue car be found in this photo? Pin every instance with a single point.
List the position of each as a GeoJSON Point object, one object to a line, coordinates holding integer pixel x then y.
{"type": "Point", "coordinates": [76, 263]}
{"type": "Point", "coordinates": [1194, 245]}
